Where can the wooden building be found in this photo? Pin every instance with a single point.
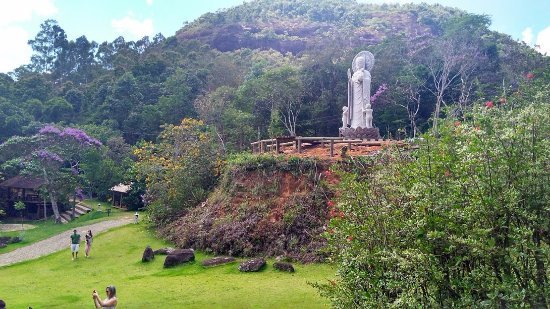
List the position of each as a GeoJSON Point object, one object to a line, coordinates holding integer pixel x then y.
{"type": "Point", "coordinates": [25, 189]}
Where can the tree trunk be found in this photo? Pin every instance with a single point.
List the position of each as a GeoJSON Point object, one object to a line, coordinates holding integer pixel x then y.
{"type": "Point", "coordinates": [436, 114]}
{"type": "Point", "coordinates": [56, 215]}
{"type": "Point", "coordinates": [74, 206]}
{"type": "Point", "coordinates": [53, 199]}
{"type": "Point", "coordinates": [45, 210]}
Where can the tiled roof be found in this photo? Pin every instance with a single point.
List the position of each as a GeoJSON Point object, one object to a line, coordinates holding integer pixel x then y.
{"type": "Point", "coordinates": [22, 182]}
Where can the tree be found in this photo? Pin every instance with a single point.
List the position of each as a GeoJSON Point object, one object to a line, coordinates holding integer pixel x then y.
{"type": "Point", "coordinates": [47, 45]}
{"type": "Point", "coordinates": [20, 206]}
{"type": "Point", "coordinates": [179, 170]}
{"type": "Point", "coordinates": [233, 127]}
{"type": "Point", "coordinates": [275, 97]}
{"type": "Point", "coordinates": [76, 60]}
{"type": "Point", "coordinates": [56, 109]}
{"type": "Point", "coordinates": [410, 84]}
{"type": "Point", "coordinates": [54, 155]}
{"type": "Point", "coordinates": [455, 57]}
{"type": "Point", "coordinates": [12, 119]}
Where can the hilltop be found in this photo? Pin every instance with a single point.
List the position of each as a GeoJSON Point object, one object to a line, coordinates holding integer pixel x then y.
{"type": "Point", "coordinates": [239, 69]}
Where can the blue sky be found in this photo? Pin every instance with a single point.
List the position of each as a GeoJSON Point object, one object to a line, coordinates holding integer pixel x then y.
{"type": "Point", "coordinates": [104, 20]}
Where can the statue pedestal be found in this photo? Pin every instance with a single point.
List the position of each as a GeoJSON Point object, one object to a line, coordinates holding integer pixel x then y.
{"type": "Point", "coordinates": [362, 133]}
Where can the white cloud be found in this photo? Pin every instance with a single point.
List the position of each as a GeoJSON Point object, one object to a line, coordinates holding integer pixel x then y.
{"type": "Point", "coordinates": [527, 35]}
{"type": "Point", "coordinates": [149, 2]}
{"type": "Point", "coordinates": [543, 41]}
{"type": "Point", "coordinates": [132, 28]}
{"type": "Point", "coordinates": [17, 52]}
{"type": "Point", "coordinates": [23, 10]}
{"type": "Point", "coordinates": [14, 15]}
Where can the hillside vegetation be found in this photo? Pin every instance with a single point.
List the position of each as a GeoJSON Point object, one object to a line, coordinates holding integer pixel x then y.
{"type": "Point", "coordinates": [262, 206]}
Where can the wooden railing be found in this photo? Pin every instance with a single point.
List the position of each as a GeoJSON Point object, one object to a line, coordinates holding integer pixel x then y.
{"type": "Point", "coordinates": [277, 144]}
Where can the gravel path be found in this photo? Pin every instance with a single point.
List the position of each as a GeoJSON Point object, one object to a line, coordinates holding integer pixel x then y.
{"type": "Point", "coordinates": [56, 243]}
{"type": "Point", "coordinates": [16, 227]}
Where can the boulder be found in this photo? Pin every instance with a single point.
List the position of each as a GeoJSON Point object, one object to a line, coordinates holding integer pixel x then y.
{"type": "Point", "coordinates": [148, 255]}
{"type": "Point", "coordinates": [179, 256]}
{"type": "Point", "coordinates": [164, 251]}
{"type": "Point", "coordinates": [219, 260]}
{"type": "Point", "coordinates": [252, 265]}
{"type": "Point", "coordinates": [282, 266]}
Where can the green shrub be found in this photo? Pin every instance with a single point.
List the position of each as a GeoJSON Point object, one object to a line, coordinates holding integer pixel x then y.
{"type": "Point", "coordinates": [461, 222]}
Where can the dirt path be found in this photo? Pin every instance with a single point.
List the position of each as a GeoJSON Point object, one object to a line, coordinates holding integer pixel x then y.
{"type": "Point", "coordinates": [16, 227]}
{"type": "Point", "coordinates": [56, 243]}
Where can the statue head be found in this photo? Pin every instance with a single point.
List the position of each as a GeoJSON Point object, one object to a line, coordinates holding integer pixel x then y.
{"type": "Point", "coordinates": [360, 62]}
{"type": "Point", "coordinates": [363, 60]}
{"type": "Point", "coordinates": [344, 108]}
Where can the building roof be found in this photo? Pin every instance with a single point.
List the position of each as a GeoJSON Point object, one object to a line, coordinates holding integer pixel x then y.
{"type": "Point", "coordinates": [122, 188]}
{"type": "Point", "coordinates": [22, 182]}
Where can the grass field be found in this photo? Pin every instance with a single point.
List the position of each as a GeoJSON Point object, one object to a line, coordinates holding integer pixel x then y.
{"type": "Point", "coordinates": [55, 281]}
{"type": "Point", "coordinates": [48, 228]}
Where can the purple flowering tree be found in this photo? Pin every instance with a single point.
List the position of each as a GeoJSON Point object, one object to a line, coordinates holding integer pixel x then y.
{"type": "Point", "coordinates": [53, 154]}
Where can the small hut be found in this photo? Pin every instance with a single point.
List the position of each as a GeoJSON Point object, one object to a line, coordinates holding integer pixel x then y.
{"type": "Point", "coordinates": [119, 192]}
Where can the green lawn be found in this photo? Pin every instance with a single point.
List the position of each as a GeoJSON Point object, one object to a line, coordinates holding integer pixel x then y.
{"type": "Point", "coordinates": [48, 228]}
{"type": "Point", "coordinates": [55, 281]}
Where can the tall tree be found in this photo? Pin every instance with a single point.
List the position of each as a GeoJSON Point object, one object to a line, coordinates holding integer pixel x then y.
{"type": "Point", "coordinates": [454, 58]}
{"type": "Point", "coordinates": [47, 45]}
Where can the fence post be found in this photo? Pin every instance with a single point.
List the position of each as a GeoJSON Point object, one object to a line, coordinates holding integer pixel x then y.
{"type": "Point", "coordinates": [331, 148]}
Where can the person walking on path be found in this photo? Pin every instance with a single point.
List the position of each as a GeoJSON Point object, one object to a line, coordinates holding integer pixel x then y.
{"type": "Point", "coordinates": [136, 217]}
{"type": "Point", "coordinates": [56, 243]}
{"type": "Point", "coordinates": [89, 238]}
{"type": "Point", "coordinates": [75, 242]}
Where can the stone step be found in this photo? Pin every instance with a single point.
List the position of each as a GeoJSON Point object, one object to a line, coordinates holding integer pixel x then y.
{"type": "Point", "coordinates": [78, 212]}
{"type": "Point", "coordinates": [65, 217]}
{"type": "Point", "coordinates": [83, 208]}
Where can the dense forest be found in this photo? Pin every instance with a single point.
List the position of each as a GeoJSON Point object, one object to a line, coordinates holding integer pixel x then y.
{"type": "Point", "coordinates": [246, 69]}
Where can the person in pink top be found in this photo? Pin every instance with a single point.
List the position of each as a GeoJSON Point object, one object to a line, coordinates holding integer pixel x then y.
{"type": "Point", "coordinates": [89, 238]}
